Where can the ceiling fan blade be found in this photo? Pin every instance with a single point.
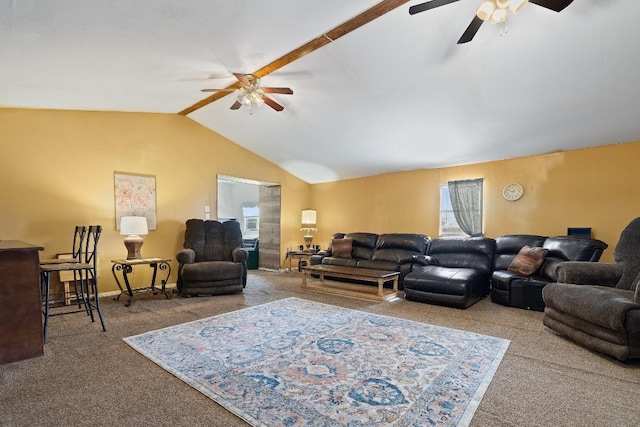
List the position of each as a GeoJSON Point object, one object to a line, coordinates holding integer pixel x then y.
{"type": "Point", "coordinates": [271, 103]}
{"type": "Point", "coordinates": [242, 79]}
{"type": "Point", "coordinates": [429, 5]}
{"type": "Point", "coordinates": [555, 5]}
{"type": "Point", "coordinates": [236, 105]}
{"type": "Point", "coordinates": [217, 90]}
{"type": "Point", "coordinates": [471, 30]}
{"type": "Point", "coordinates": [282, 90]}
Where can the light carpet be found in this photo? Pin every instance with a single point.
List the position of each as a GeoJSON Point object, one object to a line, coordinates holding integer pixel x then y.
{"type": "Point", "coordinates": [295, 362]}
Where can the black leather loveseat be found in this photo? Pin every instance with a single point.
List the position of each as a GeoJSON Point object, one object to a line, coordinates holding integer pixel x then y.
{"type": "Point", "coordinates": [456, 272]}
{"type": "Point", "coordinates": [392, 252]}
{"type": "Point", "coordinates": [515, 289]}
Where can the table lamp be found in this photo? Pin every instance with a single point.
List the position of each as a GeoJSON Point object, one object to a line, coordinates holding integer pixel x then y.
{"type": "Point", "coordinates": [308, 225]}
{"type": "Point", "coordinates": [132, 227]}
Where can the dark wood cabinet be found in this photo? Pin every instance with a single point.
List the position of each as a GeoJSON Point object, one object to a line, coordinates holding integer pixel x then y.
{"type": "Point", "coordinates": [20, 306]}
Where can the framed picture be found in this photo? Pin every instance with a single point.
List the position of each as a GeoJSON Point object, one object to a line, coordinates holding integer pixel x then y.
{"type": "Point", "coordinates": [135, 195]}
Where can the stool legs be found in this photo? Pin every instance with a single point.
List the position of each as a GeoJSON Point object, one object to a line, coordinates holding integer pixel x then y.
{"type": "Point", "coordinates": [87, 283]}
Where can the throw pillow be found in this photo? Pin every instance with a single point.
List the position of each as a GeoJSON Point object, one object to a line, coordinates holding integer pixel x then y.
{"type": "Point", "coordinates": [528, 260]}
{"type": "Point", "coordinates": [341, 248]}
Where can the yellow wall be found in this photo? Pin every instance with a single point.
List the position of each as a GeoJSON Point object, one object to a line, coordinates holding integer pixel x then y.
{"type": "Point", "coordinates": [56, 169]}
{"type": "Point", "coordinates": [597, 187]}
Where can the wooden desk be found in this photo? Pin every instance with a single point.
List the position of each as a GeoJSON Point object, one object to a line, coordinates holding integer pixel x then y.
{"type": "Point", "coordinates": [20, 303]}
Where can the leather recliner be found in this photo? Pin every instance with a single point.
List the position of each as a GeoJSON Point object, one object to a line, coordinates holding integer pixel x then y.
{"type": "Point", "coordinates": [456, 272]}
{"type": "Point", "coordinates": [598, 304]}
{"type": "Point", "coordinates": [214, 261]}
{"type": "Point", "coordinates": [517, 290]}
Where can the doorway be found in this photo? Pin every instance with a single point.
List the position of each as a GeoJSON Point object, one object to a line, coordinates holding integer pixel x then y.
{"type": "Point", "coordinates": [256, 206]}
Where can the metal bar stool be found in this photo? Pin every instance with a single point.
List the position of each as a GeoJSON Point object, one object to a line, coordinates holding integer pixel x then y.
{"type": "Point", "coordinates": [76, 254]}
{"type": "Point", "coordinates": [85, 280]}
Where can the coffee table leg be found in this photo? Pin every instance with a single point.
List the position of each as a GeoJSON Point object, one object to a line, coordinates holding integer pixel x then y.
{"type": "Point", "coordinates": [380, 287]}
{"type": "Point", "coordinates": [395, 284]}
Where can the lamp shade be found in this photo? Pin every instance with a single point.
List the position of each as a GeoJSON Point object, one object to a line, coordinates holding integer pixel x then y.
{"type": "Point", "coordinates": [130, 225]}
{"type": "Point", "coordinates": [308, 219]}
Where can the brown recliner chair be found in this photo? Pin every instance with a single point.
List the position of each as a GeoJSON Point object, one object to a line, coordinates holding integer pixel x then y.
{"type": "Point", "coordinates": [214, 261]}
{"type": "Point", "coordinates": [604, 315]}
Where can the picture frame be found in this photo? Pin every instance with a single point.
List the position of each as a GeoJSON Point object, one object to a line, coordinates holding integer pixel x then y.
{"type": "Point", "coordinates": [135, 195]}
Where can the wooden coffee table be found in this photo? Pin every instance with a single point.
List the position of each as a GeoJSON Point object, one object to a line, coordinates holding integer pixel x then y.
{"type": "Point", "coordinates": [350, 289]}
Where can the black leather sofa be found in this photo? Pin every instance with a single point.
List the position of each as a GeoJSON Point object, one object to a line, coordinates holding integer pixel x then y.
{"type": "Point", "coordinates": [392, 252]}
{"type": "Point", "coordinates": [456, 272]}
{"type": "Point", "coordinates": [517, 290]}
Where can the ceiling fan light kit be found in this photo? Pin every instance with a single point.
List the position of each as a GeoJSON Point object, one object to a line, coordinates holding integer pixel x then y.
{"type": "Point", "coordinates": [250, 92]}
{"type": "Point", "coordinates": [496, 10]}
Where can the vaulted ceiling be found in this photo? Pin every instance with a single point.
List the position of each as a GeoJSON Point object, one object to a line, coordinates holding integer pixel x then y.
{"type": "Point", "coordinates": [394, 94]}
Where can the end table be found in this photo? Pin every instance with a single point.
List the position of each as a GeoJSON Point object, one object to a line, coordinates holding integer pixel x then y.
{"type": "Point", "coordinates": [126, 266]}
{"type": "Point", "coordinates": [299, 255]}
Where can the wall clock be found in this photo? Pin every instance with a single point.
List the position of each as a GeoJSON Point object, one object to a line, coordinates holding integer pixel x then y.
{"type": "Point", "coordinates": [512, 192]}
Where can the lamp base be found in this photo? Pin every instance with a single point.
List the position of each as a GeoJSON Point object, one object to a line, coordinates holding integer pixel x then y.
{"type": "Point", "coordinates": [133, 243]}
{"type": "Point", "coordinates": [308, 238]}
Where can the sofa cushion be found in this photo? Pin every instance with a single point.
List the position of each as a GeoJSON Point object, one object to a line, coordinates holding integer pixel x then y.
{"type": "Point", "coordinates": [572, 248]}
{"type": "Point", "coordinates": [378, 265]}
{"type": "Point", "coordinates": [410, 242]}
{"type": "Point", "coordinates": [211, 271]}
{"type": "Point", "coordinates": [341, 248]}
{"type": "Point", "coordinates": [508, 246]}
{"type": "Point", "coordinates": [363, 244]}
{"type": "Point", "coordinates": [528, 260]}
{"type": "Point", "coordinates": [399, 248]}
{"type": "Point", "coordinates": [603, 306]}
{"type": "Point", "coordinates": [463, 252]}
{"type": "Point", "coordinates": [344, 262]}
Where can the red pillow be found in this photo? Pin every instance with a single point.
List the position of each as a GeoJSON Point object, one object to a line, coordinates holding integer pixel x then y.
{"type": "Point", "coordinates": [341, 248]}
{"type": "Point", "coordinates": [528, 260]}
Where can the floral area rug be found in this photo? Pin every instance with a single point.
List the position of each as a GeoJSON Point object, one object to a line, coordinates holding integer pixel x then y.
{"type": "Point", "coordinates": [295, 362]}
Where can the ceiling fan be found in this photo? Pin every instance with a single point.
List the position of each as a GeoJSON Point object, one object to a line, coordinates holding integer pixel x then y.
{"type": "Point", "coordinates": [251, 92]}
{"type": "Point", "coordinates": [493, 10]}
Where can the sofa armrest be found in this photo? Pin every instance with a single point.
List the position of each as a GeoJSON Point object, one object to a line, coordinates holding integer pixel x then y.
{"type": "Point", "coordinates": [186, 256]}
{"type": "Point", "coordinates": [589, 273]}
{"type": "Point", "coordinates": [240, 255]}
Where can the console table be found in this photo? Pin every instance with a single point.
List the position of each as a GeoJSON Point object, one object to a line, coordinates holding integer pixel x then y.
{"type": "Point", "coordinates": [126, 266]}
{"type": "Point", "coordinates": [20, 305]}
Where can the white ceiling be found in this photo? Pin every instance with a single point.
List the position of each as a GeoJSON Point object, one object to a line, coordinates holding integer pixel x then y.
{"type": "Point", "coordinates": [396, 94]}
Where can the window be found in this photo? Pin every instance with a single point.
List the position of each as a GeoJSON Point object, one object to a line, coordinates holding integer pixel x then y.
{"type": "Point", "coordinates": [251, 223]}
{"type": "Point", "coordinates": [461, 208]}
{"type": "Point", "coordinates": [448, 224]}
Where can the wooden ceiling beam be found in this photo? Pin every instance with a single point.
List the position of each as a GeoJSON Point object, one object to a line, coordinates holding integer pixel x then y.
{"type": "Point", "coordinates": [354, 23]}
